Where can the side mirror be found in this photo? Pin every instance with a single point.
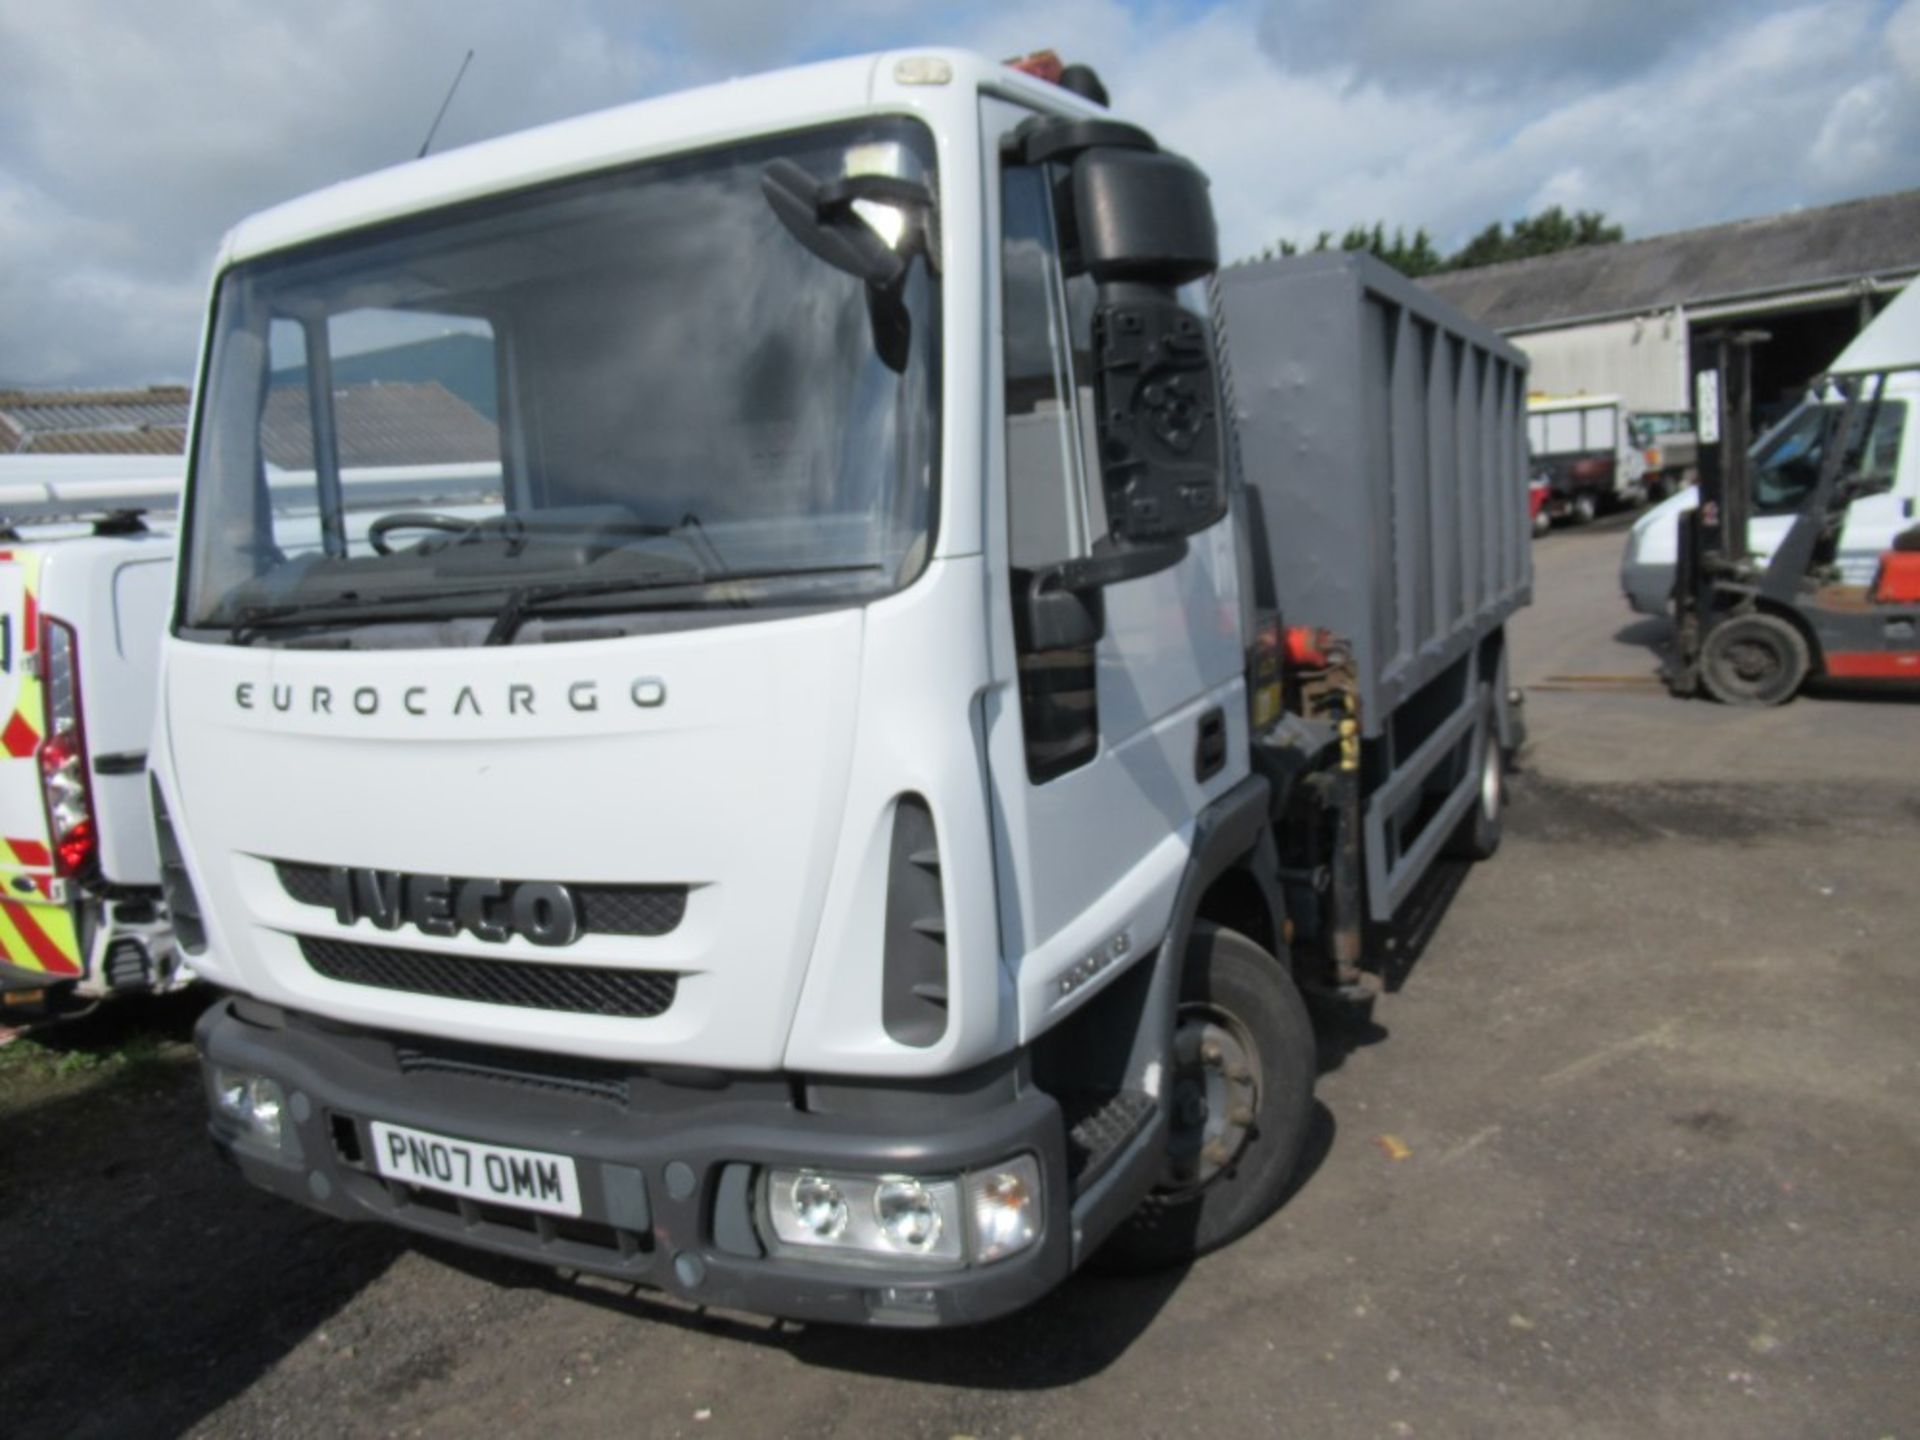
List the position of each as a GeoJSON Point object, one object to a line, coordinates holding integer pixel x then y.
{"type": "Point", "coordinates": [1143, 216]}
{"type": "Point", "coordinates": [1161, 447]}
{"type": "Point", "coordinates": [1143, 227]}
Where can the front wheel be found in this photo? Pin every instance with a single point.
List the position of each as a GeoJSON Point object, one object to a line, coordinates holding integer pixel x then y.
{"type": "Point", "coordinates": [1753, 659]}
{"type": "Point", "coordinates": [1243, 1073]}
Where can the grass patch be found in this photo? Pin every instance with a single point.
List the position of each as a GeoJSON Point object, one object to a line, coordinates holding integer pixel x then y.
{"type": "Point", "coordinates": [128, 1039]}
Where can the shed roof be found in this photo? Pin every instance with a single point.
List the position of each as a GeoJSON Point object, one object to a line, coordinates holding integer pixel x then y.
{"type": "Point", "coordinates": [147, 440]}
{"type": "Point", "coordinates": [1877, 237]}
{"type": "Point", "coordinates": [126, 422]}
{"type": "Point", "coordinates": [406, 422]}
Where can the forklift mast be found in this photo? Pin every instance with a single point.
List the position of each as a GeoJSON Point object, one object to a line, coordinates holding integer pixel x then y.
{"type": "Point", "coordinates": [1713, 536]}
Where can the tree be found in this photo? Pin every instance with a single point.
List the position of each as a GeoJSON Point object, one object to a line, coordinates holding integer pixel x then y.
{"type": "Point", "coordinates": [1550, 231]}
{"type": "Point", "coordinates": [1543, 234]}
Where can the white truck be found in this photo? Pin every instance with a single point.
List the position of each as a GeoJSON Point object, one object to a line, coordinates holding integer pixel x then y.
{"type": "Point", "coordinates": [86, 561]}
{"type": "Point", "coordinates": [795, 790]}
{"type": "Point", "coordinates": [1586, 447]}
{"type": "Point", "coordinates": [1785, 464]}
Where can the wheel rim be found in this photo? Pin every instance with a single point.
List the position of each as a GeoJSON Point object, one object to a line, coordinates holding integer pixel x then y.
{"type": "Point", "coordinates": [1490, 779]}
{"type": "Point", "coordinates": [1752, 663]}
{"type": "Point", "coordinates": [1216, 1097]}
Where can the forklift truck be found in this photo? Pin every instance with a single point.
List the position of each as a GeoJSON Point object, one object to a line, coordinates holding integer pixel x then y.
{"type": "Point", "coordinates": [1749, 632]}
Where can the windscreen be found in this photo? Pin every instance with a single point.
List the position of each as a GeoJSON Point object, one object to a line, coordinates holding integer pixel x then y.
{"type": "Point", "coordinates": [628, 392]}
{"type": "Point", "coordinates": [1787, 459]}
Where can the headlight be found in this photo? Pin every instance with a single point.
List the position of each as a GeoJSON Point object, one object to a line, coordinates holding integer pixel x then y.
{"type": "Point", "coordinates": [819, 1207]}
{"type": "Point", "coordinates": [879, 1219]}
{"type": "Point", "coordinates": [943, 1223]}
{"type": "Point", "coordinates": [909, 1215]}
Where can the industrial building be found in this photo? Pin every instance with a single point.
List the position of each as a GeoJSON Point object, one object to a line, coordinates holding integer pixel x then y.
{"type": "Point", "coordinates": [1625, 319]}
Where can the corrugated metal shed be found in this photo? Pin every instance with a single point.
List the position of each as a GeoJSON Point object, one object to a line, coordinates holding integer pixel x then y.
{"type": "Point", "coordinates": [149, 440]}
{"type": "Point", "coordinates": [1835, 245]}
{"type": "Point", "coordinates": [94, 422]}
{"type": "Point", "coordinates": [404, 423]}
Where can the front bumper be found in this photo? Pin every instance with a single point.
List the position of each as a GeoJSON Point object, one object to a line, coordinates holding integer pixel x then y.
{"type": "Point", "coordinates": [666, 1165]}
{"type": "Point", "coordinates": [1647, 586]}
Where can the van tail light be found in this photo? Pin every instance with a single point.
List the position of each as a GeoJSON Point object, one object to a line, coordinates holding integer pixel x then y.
{"type": "Point", "coordinates": [63, 753]}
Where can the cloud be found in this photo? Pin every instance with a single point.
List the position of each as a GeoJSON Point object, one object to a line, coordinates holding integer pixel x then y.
{"type": "Point", "coordinates": [132, 136]}
{"type": "Point", "coordinates": [1490, 44]}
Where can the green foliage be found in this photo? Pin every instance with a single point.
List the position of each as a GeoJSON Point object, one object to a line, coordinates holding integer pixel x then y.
{"type": "Point", "coordinates": [1553, 229]}
{"type": "Point", "coordinates": [1550, 231]}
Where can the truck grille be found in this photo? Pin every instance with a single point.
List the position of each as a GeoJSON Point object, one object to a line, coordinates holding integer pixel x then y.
{"type": "Point", "coordinates": [604, 909]}
{"type": "Point", "coordinates": [575, 989]}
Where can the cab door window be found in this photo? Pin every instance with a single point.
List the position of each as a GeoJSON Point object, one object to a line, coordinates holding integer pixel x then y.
{"type": "Point", "coordinates": [1053, 506]}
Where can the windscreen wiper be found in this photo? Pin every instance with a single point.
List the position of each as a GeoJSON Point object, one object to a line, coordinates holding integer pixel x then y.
{"type": "Point", "coordinates": [255, 620]}
{"type": "Point", "coordinates": [524, 601]}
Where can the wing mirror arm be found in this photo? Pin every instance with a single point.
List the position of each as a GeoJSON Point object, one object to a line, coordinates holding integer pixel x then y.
{"type": "Point", "coordinates": [820, 214]}
{"type": "Point", "coordinates": [1065, 605]}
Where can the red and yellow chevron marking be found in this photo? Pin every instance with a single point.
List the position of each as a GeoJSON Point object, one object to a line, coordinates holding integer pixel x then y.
{"type": "Point", "coordinates": [39, 937]}
{"type": "Point", "coordinates": [35, 934]}
{"type": "Point", "coordinates": [20, 735]}
{"type": "Point", "coordinates": [32, 856]}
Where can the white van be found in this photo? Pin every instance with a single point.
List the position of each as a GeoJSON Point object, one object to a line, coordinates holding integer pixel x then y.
{"type": "Point", "coordinates": [86, 567]}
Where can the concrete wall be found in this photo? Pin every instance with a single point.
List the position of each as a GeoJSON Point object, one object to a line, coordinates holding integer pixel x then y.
{"type": "Point", "coordinates": [1643, 360]}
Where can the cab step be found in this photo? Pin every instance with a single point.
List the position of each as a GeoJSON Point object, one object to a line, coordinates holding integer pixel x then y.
{"type": "Point", "coordinates": [1099, 1127]}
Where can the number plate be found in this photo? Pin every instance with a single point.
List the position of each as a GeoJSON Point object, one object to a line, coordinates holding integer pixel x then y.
{"type": "Point", "coordinates": [526, 1179]}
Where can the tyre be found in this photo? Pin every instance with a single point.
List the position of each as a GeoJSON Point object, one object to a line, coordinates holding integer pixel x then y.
{"type": "Point", "coordinates": [1586, 509]}
{"type": "Point", "coordinates": [1753, 659]}
{"type": "Point", "coordinates": [1478, 835]}
{"type": "Point", "coordinates": [1243, 1073]}
{"type": "Point", "coordinates": [1542, 521]}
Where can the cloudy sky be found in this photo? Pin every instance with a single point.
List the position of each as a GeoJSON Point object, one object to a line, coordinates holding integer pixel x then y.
{"type": "Point", "coordinates": [132, 134]}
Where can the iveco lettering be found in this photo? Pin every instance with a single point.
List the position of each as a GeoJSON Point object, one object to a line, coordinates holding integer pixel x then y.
{"type": "Point", "coordinates": [753, 706]}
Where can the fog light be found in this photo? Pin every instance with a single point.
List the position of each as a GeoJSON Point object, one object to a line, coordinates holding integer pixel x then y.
{"type": "Point", "coordinates": [1004, 1206]}
{"type": "Point", "coordinates": [233, 1093]}
{"type": "Point", "coordinates": [819, 1206]}
{"type": "Point", "coordinates": [907, 1214]}
{"type": "Point", "coordinates": [268, 1104]}
{"type": "Point", "coordinates": [253, 1102]}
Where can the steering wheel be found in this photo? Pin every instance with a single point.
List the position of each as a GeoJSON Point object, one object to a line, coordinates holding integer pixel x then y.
{"type": "Point", "coordinates": [378, 531]}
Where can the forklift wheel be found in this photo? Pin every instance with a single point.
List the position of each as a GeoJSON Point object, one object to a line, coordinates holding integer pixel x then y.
{"type": "Point", "coordinates": [1753, 659]}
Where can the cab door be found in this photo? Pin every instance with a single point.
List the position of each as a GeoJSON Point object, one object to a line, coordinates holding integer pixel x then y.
{"type": "Point", "coordinates": [1101, 755]}
{"type": "Point", "coordinates": [1872, 521]}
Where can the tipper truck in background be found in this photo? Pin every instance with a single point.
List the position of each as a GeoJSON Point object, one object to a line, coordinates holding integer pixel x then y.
{"type": "Point", "coordinates": [86, 564]}
{"type": "Point", "coordinates": [1586, 446]}
{"type": "Point", "coordinates": [777, 772]}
